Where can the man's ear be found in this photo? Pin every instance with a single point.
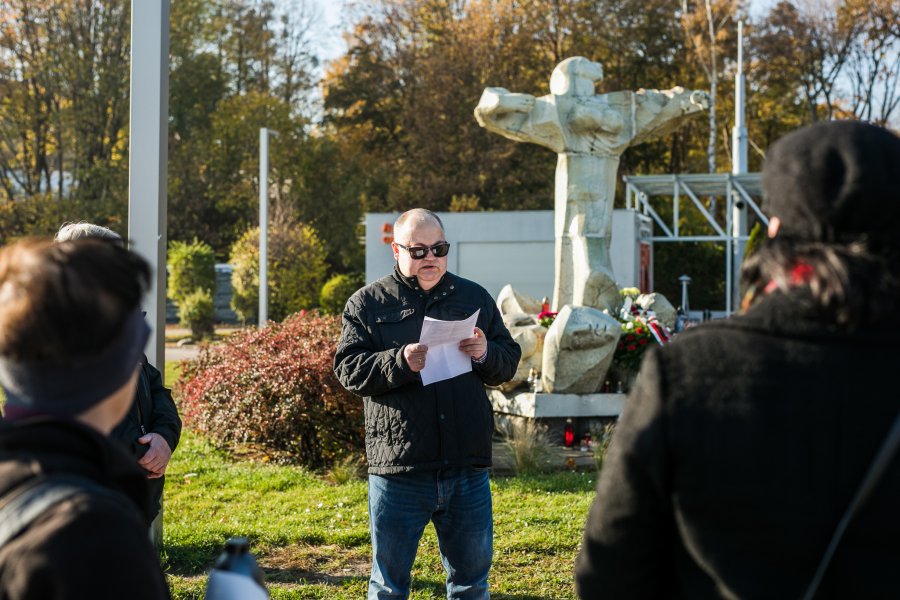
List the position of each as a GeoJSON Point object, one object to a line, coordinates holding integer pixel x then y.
{"type": "Point", "coordinates": [774, 226]}
{"type": "Point", "coordinates": [396, 250]}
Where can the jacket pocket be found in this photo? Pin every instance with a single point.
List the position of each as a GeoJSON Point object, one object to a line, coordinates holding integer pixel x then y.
{"type": "Point", "coordinates": [396, 327]}
{"type": "Point", "coordinates": [457, 312]}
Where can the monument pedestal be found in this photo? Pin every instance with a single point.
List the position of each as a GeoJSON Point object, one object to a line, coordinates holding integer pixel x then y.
{"type": "Point", "coordinates": [587, 411]}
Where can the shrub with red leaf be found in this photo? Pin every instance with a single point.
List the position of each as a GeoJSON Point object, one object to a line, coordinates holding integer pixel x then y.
{"type": "Point", "coordinates": [274, 388]}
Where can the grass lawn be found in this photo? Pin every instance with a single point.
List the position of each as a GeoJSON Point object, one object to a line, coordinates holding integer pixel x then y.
{"type": "Point", "coordinates": [312, 538]}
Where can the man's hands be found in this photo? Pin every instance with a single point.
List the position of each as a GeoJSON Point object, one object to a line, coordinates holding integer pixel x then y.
{"type": "Point", "coordinates": [415, 356]}
{"type": "Point", "coordinates": [475, 346]}
{"type": "Point", "coordinates": [157, 457]}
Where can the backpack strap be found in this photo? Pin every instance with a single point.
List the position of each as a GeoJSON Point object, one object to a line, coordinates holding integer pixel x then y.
{"type": "Point", "coordinates": [37, 495]}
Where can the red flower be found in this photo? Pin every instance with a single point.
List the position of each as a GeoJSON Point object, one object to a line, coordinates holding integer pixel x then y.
{"type": "Point", "coordinates": [639, 330]}
{"type": "Point", "coordinates": [546, 313]}
{"type": "Point", "coordinates": [642, 341]}
{"type": "Point", "coordinates": [632, 347]}
{"type": "Point", "coordinates": [629, 338]}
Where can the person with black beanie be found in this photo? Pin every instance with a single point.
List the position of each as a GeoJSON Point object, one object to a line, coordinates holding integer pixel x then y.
{"type": "Point", "coordinates": [744, 440]}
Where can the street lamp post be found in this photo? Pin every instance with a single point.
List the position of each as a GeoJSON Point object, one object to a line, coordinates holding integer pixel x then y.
{"type": "Point", "coordinates": [264, 134]}
{"type": "Point", "coordinates": [739, 139]}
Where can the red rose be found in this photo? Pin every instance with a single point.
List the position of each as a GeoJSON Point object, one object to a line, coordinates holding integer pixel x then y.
{"type": "Point", "coordinates": [629, 338]}
{"type": "Point", "coordinates": [632, 347]}
{"type": "Point", "coordinates": [639, 330]}
{"type": "Point", "coordinates": [642, 341]}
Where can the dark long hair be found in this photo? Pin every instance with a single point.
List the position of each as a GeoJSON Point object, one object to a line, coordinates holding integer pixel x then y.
{"type": "Point", "coordinates": [853, 285]}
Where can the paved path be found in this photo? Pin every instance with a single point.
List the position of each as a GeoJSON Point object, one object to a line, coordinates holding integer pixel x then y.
{"type": "Point", "coordinates": [181, 353]}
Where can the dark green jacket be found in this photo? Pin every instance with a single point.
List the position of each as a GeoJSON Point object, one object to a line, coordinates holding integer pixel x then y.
{"type": "Point", "coordinates": [411, 427]}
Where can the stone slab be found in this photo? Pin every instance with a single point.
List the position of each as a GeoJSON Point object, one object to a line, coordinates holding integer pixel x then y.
{"type": "Point", "coordinates": [541, 405]}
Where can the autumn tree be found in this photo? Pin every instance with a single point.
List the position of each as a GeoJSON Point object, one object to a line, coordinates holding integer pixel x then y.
{"type": "Point", "coordinates": [64, 103]}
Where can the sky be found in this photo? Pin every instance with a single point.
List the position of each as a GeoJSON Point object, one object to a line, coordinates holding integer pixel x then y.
{"type": "Point", "coordinates": [330, 42]}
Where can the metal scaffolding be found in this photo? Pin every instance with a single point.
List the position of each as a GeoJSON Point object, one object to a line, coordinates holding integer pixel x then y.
{"type": "Point", "coordinates": [741, 193]}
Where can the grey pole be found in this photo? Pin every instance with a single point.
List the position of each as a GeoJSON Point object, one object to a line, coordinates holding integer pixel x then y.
{"type": "Point", "coordinates": [147, 166]}
{"type": "Point", "coordinates": [264, 134]}
{"type": "Point", "coordinates": [685, 282]}
{"type": "Point", "coordinates": [263, 226]}
{"type": "Point", "coordinates": [148, 156]}
{"type": "Point", "coordinates": [738, 167]}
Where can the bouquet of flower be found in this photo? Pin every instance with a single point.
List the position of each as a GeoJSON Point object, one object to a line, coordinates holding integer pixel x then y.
{"type": "Point", "coordinates": [546, 318]}
{"type": "Point", "coordinates": [640, 329]}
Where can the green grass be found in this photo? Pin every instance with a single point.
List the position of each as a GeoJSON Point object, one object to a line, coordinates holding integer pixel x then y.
{"type": "Point", "coordinates": [312, 537]}
{"type": "Point", "coordinates": [170, 375]}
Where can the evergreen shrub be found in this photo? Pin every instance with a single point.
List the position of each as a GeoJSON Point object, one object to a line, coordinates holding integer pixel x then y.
{"type": "Point", "coordinates": [274, 389]}
{"type": "Point", "coordinates": [197, 311]}
{"type": "Point", "coordinates": [191, 266]}
{"type": "Point", "coordinates": [297, 270]}
{"type": "Point", "coordinates": [191, 284]}
{"type": "Point", "coordinates": [337, 290]}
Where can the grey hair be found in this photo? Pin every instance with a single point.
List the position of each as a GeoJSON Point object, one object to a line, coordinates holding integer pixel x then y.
{"type": "Point", "coordinates": [83, 230]}
{"type": "Point", "coordinates": [417, 216]}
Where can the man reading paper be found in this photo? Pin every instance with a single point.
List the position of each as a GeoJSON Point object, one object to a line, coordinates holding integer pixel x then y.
{"type": "Point", "coordinates": [428, 447]}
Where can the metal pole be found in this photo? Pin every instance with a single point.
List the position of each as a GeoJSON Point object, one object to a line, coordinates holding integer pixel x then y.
{"type": "Point", "coordinates": [147, 167]}
{"type": "Point", "coordinates": [148, 156]}
{"type": "Point", "coordinates": [738, 167]}
{"type": "Point", "coordinates": [685, 281]}
{"type": "Point", "coordinates": [263, 226]}
{"type": "Point", "coordinates": [264, 134]}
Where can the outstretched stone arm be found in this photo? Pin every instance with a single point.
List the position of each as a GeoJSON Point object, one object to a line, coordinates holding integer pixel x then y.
{"type": "Point", "coordinates": [520, 117]}
{"type": "Point", "coordinates": [662, 111]}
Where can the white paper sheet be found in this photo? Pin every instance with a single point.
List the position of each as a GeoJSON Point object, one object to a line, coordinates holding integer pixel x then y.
{"type": "Point", "coordinates": [444, 359]}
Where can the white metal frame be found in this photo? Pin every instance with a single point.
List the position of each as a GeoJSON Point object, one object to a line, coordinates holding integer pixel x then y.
{"type": "Point", "coordinates": [740, 192]}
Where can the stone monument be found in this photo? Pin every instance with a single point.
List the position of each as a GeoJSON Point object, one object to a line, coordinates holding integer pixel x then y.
{"type": "Point", "coordinates": [589, 132]}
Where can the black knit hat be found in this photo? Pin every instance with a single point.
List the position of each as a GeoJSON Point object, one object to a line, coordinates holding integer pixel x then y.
{"type": "Point", "coordinates": [835, 182]}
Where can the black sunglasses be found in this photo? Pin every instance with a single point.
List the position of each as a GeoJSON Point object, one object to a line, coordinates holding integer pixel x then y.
{"type": "Point", "coordinates": [420, 252]}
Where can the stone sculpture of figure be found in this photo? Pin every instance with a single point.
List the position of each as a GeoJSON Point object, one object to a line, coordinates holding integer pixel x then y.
{"type": "Point", "coordinates": [589, 132]}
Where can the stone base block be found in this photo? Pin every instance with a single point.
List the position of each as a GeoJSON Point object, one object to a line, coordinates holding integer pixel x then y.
{"type": "Point", "coordinates": [540, 405]}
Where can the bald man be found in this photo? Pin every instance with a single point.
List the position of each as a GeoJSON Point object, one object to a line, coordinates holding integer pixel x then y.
{"type": "Point", "coordinates": [428, 446]}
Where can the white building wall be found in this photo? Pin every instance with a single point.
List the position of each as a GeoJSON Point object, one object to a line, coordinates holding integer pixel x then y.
{"type": "Point", "coordinates": [506, 247]}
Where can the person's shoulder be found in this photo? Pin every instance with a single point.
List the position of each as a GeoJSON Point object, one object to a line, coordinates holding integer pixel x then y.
{"type": "Point", "coordinates": [372, 290]}
{"type": "Point", "coordinates": [86, 523]}
{"type": "Point", "coordinates": [467, 286]}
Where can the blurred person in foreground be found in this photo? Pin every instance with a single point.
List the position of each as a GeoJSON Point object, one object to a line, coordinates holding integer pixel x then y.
{"type": "Point", "coordinates": [428, 446]}
{"type": "Point", "coordinates": [71, 338]}
{"type": "Point", "coordinates": [151, 428]}
{"type": "Point", "coordinates": [744, 440]}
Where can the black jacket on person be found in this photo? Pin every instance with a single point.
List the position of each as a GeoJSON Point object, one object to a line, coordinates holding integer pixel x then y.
{"type": "Point", "coordinates": [411, 427]}
{"type": "Point", "coordinates": [90, 545]}
{"type": "Point", "coordinates": [153, 411]}
{"type": "Point", "coordinates": [736, 456]}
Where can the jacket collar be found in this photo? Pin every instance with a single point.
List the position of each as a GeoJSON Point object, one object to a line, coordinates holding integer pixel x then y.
{"type": "Point", "coordinates": [446, 284]}
{"type": "Point", "coordinates": [795, 314]}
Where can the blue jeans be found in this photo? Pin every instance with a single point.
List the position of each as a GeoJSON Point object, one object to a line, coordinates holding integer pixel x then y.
{"type": "Point", "coordinates": [458, 502]}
